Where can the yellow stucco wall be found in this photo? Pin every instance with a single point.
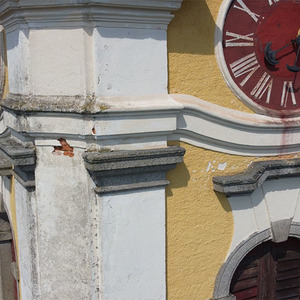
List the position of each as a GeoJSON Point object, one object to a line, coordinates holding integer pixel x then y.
{"type": "Point", "coordinates": [199, 221]}
{"type": "Point", "coordinates": [193, 67]}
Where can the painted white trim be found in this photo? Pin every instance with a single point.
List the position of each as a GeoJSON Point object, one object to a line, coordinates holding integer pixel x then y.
{"type": "Point", "coordinates": [157, 119]}
{"type": "Point", "coordinates": [65, 13]}
{"type": "Point", "coordinates": [275, 201]}
{"type": "Point", "coordinates": [221, 129]}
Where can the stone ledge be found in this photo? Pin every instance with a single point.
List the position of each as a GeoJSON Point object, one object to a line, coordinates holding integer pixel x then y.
{"type": "Point", "coordinates": [88, 105]}
{"type": "Point", "coordinates": [258, 172]}
{"type": "Point", "coordinates": [17, 159]}
{"type": "Point", "coordinates": [131, 170]}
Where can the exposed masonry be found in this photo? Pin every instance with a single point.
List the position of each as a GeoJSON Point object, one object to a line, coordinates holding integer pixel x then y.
{"type": "Point", "coordinates": [17, 159]}
{"type": "Point", "coordinates": [64, 149]}
{"type": "Point", "coordinates": [134, 169]}
{"type": "Point", "coordinates": [249, 180]}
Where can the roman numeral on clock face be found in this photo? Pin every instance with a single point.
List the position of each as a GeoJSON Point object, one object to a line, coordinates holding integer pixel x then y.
{"type": "Point", "coordinates": [245, 65]}
{"type": "Point", "coordinates": [264, 84]}
{"type": "Point", "coordinates": [238, 40]}
{"type": "Point", "coordinates": [271, 2]}
{"type": "Point", "coordinates": [245, 8]}
{"type": "Point", "coordinates": [287, 90]}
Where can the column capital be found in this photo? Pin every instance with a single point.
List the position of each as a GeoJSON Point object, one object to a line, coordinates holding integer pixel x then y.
{"type": "Point", "coordinates": [130, 170]}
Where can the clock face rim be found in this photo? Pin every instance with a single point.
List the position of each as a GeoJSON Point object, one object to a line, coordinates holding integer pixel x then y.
{"type": "Point", "coordinates": [223, 11]}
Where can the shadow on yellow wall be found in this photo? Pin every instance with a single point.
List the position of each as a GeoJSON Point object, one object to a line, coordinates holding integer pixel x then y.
{"type": "Point", "coordinates": [191, 32]}
{"type": "Point", "coordinates": [223, 201]}
{"type": "Point", "coordinates": [193, 67]}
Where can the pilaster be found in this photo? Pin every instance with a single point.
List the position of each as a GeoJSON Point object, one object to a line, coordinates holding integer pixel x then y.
{"type": "Point", "coordinates": [87, 80]}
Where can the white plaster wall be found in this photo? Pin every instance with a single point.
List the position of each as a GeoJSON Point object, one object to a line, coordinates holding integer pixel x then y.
{"type": "Point", "coordinates": [70, 61]}
{"type": "Point", "coordinates": [25, 232]}
{"type": "Point", "coordinates": [18, 57]}
{"type": "Point", "coordinates": [5, 189]}
{"type": "Point", "coordinates": [242, 213]}
{"type": "Point", "coordinates": [130, 61]}
{"type": "Point", "coordinates": [275, 200]}
{"type": "Point", "coordinates": [58, 61]}
{"type": "Point", "coordinates": [63, 225]}
{"type": "Point", "coordinates": [133, 246]}
{"type": "Point", "coordinates": [282, 200]}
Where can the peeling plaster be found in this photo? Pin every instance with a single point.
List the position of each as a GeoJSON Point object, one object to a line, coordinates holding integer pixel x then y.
{"type": "Point", "coordinates": [64, 149]}
{"type": "Point", "coordinates": [222, 166]}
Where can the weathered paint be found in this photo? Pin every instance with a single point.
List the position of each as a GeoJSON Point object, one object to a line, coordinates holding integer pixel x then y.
{"type": "Point", "coordinates": [199, 221]}
{"type": "Point", "coordinates": [64, 149]}
{"type": "Point", "coordinates": [13, 220]}
{"type": "Point", "coordinates": [193, 68]}
{"type": "Point", "coordinates": [6, 86]}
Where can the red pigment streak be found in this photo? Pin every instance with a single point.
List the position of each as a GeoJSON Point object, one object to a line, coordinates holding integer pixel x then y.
{"type": "Point", "coordinates": [287, 133]}
{"type": "Point", "coordinates": [65, 148]}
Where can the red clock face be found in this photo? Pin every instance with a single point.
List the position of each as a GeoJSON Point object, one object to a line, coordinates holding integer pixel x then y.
{"type": "Point", "coordinates": [261, 54]}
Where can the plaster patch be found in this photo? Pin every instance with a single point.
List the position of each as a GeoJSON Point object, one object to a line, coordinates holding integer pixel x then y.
{"type": "Point", "coordinates": [208, 166]}
{"type": "Point", "coordinates": [222, 166]}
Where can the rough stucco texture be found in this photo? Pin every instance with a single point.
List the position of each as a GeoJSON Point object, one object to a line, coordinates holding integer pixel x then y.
{"type": "Point", "coordinates": [199, 221]}
{"type": "Point", "coordinates": [193, 67]}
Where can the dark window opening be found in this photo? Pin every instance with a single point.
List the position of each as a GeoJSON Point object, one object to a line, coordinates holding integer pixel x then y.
{"type": "Point", "coordinates": [269, 272]}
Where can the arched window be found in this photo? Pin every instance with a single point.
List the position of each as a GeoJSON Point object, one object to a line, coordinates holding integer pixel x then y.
{"type": "Point", "coordinates": [270, 271]}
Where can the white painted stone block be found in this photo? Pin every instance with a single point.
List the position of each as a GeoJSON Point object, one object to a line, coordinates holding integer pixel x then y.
{"type": "Point", "coordinates": [133, 245]}
{"type": "Point", "coordinates": [58, 61]}
{"type": "Point", "coordinates": [63, 218]}
{"type": "Point", "coordinates": [26, 233]}
{"type": "Point", "coordinates": [272, 206]}
{"type": "Point", "coordinates": [18, 57]}
{"type": "Point", "coordinates": [260, 209]}
{"type": "Point", "coordinates": [281, 197]}
{"type": "Point", "coordinates": [130, 61]}
{"type": "Point", "coordinates": [244, 218]}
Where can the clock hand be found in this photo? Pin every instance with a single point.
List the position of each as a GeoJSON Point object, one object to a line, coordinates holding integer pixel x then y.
{"type": "Point", "coordinates": [294, 67]}
{"type": "Point", "coordinates": [270, 55]}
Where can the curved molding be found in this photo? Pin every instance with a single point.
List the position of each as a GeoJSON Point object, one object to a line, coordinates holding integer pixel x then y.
{"type": "Point", "coordinates": [223, 279]}
{"type": "Point", "coordinates": [256, 174]}
{"type": "Point", "coordinates": [221, 129]}
{"type": "Point", "coordinates": [116, 13]}
{"type": "Point", "coordinates": [167, 117]}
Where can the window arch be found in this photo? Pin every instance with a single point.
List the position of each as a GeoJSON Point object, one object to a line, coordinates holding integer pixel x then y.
{"type": "Point", "coordinates": [269, 271]}
{"type": "Point", "coordinates": [226, 272]}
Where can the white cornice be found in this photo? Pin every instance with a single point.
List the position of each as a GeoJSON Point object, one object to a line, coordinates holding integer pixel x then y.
{"type": "Point", "coordinates": [221, 129]}
{"type": "Point", "coordinates": [154, 14]}
{"type": "Point", "coordinates": [172, 117]}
